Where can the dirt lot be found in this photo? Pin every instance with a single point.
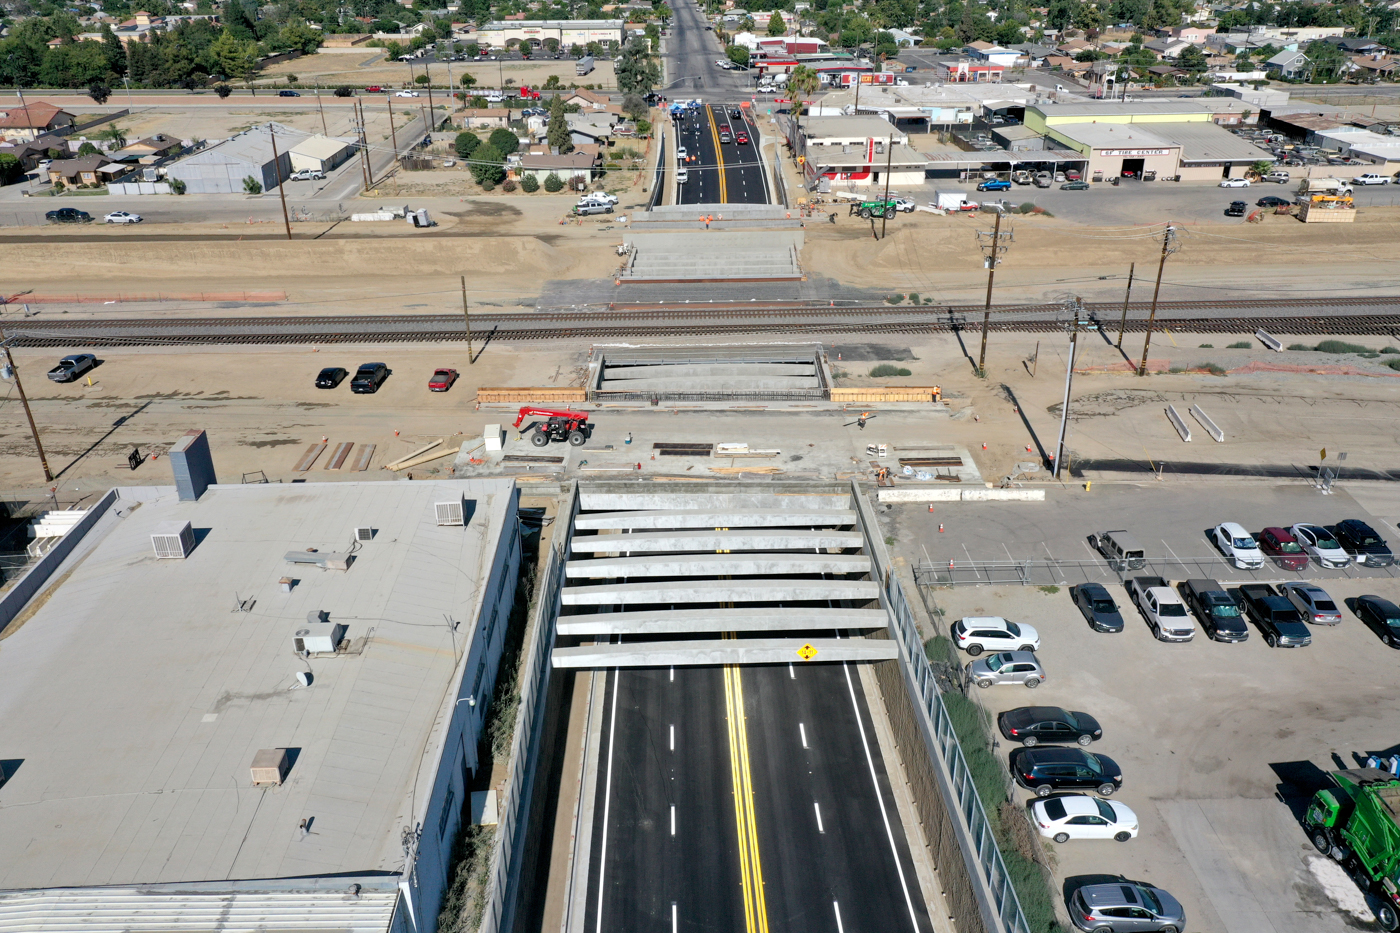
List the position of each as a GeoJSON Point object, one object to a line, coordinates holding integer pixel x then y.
{"type": "Point", "coordinates": [345, 68]}
{"type": "Point", "coordinates": [207, 122]}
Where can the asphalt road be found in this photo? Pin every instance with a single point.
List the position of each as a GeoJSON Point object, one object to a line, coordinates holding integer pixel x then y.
{"type": "Point", "coordinates": [829, 845]}
{"type": "Point", "coordinates": [691, 52]}
{"type": "Point", "coordinates": [720, 173]}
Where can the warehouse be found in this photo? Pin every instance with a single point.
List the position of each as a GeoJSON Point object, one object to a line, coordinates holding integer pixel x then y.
{"type": "Point", "coordinates": [251, 707]}
{"type": "Point", "coordinates": [224, 167]}
{"type": "Point", "coordinates": [320, 153]}
{"type": "Point", "coordinates": [1118, 150]}
{"type": "Point", "coordinates": [568, 33]}
{"type": "Point", "coordinates": [1210, 152]}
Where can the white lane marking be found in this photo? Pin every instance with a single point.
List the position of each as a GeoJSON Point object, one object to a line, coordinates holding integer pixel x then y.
{"type": "Point", "coordinates": [818, 807]}
{"type": "Point", "coordinates": [673, 673]}
{"type": "Point", "coordinates": [791, 674]}
{"type": "Point", "coordinates": [607, 800]}
{"type": "Point", "coordinates": [802, 728]}
{"type": "Point", "coordinates": [673, 737]}
{"type": "Point", "coordinates": [874, 779]}
{"type": "Point", "coordinates": [673, 819]}
{"type": "Point", "coordinates": [837, 907]}
{"type": "Point", "coordinates": [673, 917]}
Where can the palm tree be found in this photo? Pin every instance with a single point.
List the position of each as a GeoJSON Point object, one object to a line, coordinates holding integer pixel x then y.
{"type": "Point", "coordinates": [803, 82]}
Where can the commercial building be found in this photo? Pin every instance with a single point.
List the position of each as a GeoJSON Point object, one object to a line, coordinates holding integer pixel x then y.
{"type": "Point", "coordinates": [1226, 111]}
{"type": "Point", "coordinates": [320, 153]}
{"type": "Point", "coordinates": [250, 707]}
{"type": "Point", "coordinates": [1355, 142]}
{"type": "Point", "coordinates": [867, 165]}
{"type": "Point", "coordinates": [567, 33]}
{"type": "Point", "coordinates": [1115, 149]}
{"type": "Point", "coordinates": [850, 130]}
{"type": "Point", "coordinates": [222, 168]}
{"type": "Point", "coordinates": [1209, 152]}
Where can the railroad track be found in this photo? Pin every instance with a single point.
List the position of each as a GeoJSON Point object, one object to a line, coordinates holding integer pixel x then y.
{"type": "Point", "coordinates": [1306, 316]}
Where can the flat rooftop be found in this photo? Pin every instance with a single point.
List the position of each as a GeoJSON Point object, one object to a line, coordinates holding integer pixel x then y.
{"type": "Point", "coordinates": [135, 697]}
{"type": "Point", "coordinates": [1112, 135]}
{"type": "Point", "coordinates": [1206, 142]}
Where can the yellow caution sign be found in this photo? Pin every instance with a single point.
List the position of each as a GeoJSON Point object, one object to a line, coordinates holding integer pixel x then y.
{"type": "Point", "coordinates": [1322, 454]}
{"type": "Point", "coordinates": [807, 652]}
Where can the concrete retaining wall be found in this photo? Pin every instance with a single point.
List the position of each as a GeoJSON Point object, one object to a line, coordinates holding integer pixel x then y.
{"type": "Point", "coordinates": [952, 494]}
{"type": "Point", "coordinates": [25, 588]}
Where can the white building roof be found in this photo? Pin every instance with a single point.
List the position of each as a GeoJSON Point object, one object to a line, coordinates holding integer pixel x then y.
{"type": "Point", "coordinates": [1206, 142]}
{"type": "Point", "coordinates": [1113, 136]}
{"type": "Point", "coordinates": [321, 147]}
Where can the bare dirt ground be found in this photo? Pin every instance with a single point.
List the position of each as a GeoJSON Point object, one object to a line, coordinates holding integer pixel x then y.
{"type": "Point", "coordinates": [205, 122]}
{"type": "Point", "coordinates": [370, 68]}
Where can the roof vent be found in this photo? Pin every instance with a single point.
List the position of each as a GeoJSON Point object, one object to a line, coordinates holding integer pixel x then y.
{"type": "Point", "coordinates": [270, 766]}
{"type": "Point", "coordinates": [173, 539]}
{"type": "Point", "coordinates": [364, 533]}
{"type": "Point", "coordinates": [450, 513]}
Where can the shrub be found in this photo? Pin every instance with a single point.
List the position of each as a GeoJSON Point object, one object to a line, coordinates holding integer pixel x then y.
{"type": "Point", "coordinates": [1207, 346]}
{"type": "Point", "coordinates": [1393, 364]}
{"type": "Point", "coordinates": [1340, 346]}
{"type": "Point", "coordinates": [508, 185]}
{"type": "Point", "coordinates": [176, 185]}
{"type": "Point", "coordinates": [893, 299]}
{"type": "Point", "coordinates": [291, 79]}
{"type": "Point", "coordinates": [1368, 355]}
{"type": "Point", "coordinates": [1212, 368]}
{"type": "Point", "coordinates": [1389, 350]}
{"type": "Point", "coordinates": [223, 90]}
{"type": "Point", "coordinates": [553, 183]}
{"type": "Point", "coordinates": [466, 144]}
{"type": "Point", "coordinates": [913, 298]}
{"type": "Point", "coordinates": [1299, 346]}
{"type": "Point", "coordinates": [1026, 208]}
{"type": "Point", "coordinates": [530, 183]}
{"type": "Point", "coordinates": [252, 185]}
{"type": "Point", "coordinates": [1239, 345]}
{"type": "Point", "coordinates": [886, 369]}
{"type": "Point", "coordinates": [488, 185]}
{"type": "Point", "coordinates": [420, 79]}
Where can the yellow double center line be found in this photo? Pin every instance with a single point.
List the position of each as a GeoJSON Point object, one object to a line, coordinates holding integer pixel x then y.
{"type": "Point", "coordinates": [750, 866]}
{"type": "Point", "coordinates": [719, 155]}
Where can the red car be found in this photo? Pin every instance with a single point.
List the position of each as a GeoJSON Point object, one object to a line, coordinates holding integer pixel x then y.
{"type": "Point", "coordinates": [374, 89]}
{"type": "Point", "coordinates": [742, 138]}
{"type": "Point", "coordinates": [442, 380]}
{"type": "Point", "coordinates": [1285, 550]}
{"type": "Point", "coordinates": [1072, 175]}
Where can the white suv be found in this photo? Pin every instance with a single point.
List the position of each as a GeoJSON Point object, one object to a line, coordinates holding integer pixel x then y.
{"type": "Point", "coordinates": [1371, 178]}
{"type": "Point", "coordinates": [975, 634]}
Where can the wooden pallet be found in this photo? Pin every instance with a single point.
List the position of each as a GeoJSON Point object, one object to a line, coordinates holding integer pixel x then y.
{"type": "Point", "coordinates": [337, 459]}
{"type": "Point", "coordinates": [363, 457]}
{"type": "Point", "coordinates": [308, 458]}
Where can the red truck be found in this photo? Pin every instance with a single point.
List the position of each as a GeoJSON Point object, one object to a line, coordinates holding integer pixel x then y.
{"type": "Point", "coordinates": [527, 94]}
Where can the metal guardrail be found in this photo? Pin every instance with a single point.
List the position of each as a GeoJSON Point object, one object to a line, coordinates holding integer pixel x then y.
{"type": "Point", "coordinates": [503, 881]}
{"type": "Point", "coordinates": [1048, 572]}
{"type": "Point", "coordinates": [980, 844]}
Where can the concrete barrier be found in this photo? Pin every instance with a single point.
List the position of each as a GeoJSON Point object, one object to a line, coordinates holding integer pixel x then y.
{"type": "Point", "coordinates": [1003, 495]}
{"type": "Point", "coordinates": [1211, 427]}
{"type": "Point", "coordinates": [373, 215]}
{"type": "Point", "coordinates": [946, 494]}
{"type": "Point", "coordinates": [874, 394]}
{"type": "Point", "coordinates": [1269, 341]}
{"type": "Point", "coordinates": [1181, 426]}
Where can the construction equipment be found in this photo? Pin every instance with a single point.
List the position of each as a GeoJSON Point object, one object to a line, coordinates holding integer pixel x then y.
{"type": "Point", "coordinates": [559, 425]}
{"type": "Point", "coordinates": [869, 209]}
{"type": "Point", "coordinates": [1357, 823]}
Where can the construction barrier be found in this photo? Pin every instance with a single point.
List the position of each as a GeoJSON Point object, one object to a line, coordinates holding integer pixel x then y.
{"type": "Point", "coordinates": [525, 394]}
{"type": "Point", "coordinates": [871, 394]}
{"type": "Point", "coordinates": [947, 494]}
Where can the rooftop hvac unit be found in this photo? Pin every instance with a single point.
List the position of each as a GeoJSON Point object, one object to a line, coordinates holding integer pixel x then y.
{"type": "Point", "coordinates": [270, 766]}
{"type": "Point", "coordinates": [364, 533]}
{"type": "Point", "coordinates": [450, 513]}
{"type": "Point", "coordinates": [173, 539]}
{"type": "Point", "coordinates": [319, 635]}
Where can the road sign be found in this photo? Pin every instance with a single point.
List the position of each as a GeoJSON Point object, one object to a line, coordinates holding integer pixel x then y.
{"type": "Point", "coordinates": [1322, 454]}
{"type": "Point", "coordinates": [807, 652]}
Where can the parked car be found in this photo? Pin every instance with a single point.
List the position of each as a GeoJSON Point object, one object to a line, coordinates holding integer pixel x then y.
{"type": "Point", "coordinates": [1282, 625]}
{"type": "Point", "coordinates": [1313, 602]}
{"type": "Point", "coordinates": [975, 634]}
{"type": "Point", "coordinates": [1164, 610]}
{"type": "Point", "coordinates": [374, 89]}
{"type": "Point", "coordinates": [601, 196]}
{"type": "Point", "coordinates": [1362, 543]}
{"type": "Point", "coordinates": [1045, 769]}
{"type": "Point", "coordinates": [906, 205]}
{"type": "Point", "coordinates": [1073, 175]}
{"type": "Point", "coordinates": [1075, 186]}
{"type": "Point", "coordinates": [1079, 816]}
{"type": "Point", "coordinates": [441, 380]}
{"type": "Point", "coordinates": [369, 377]}
{"type": "Point", "coordinates": [307, 174]}
{"type": "Point", "coordinates": [583, 208]}
{"type": "Point", "coordinates": [330, 377]}
{"type": "Point", "coordinates": [1278, 178]}
{"type": "Point", "coordinates": [1381, 616]}
{"type": "Point", "coordinates": [1097, 607]}
{"type": "Point", "coordinates": [1273, 201]}
{"type": "Point", "coordinates": [994, 184]}
{"type": "Point", "coordinates": [1238, 545]}
{"type": "Point", "coordinates": [1216, 609]}
{"type": "Point", "coordinates": [1036, 725]}
{"type": "Point", "coordinates": [68, 215]}
{"type": "Point", "coordinates": [1006, 667]}
{"type": "Point", "coordinates": [1320, 544]}
{"type": "Point", "coordinates": [1371, 178]}
{"type": "Point", "coordinates": [1126, 907]}
{"type": "Point", "coordinates": [122, 217]}
{"type": "Point", "coordinates": [1285, 550]}
{"type": "Point", "coordinates": [71, 367]}
{"type": "Point", "coordinates": [1235, 183]}
{"type": "Point", "coordinates": [285, 93]}
{"type": "Point", "coordinates": [1236, 209]}
{"type": "Point", "coordinates": [1120, 549]}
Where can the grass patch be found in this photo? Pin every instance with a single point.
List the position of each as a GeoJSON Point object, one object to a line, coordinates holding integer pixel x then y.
{"type": "Point", "coordinates": [1388, 350]}
{"type": "Point", "coordinates": [887, 369]}
{"type": "Point", "coordinates": [1207, 346]}
{"type": "Point", "coordinates": [1393, 364]}
{"type": "Point", "coordinates": [1240, 345]}
{"type": "Point", "coordinates": [1049, 590]}
{"type": "Point", "coordinates": [1299, 346]}
{"type": "Point", "coordinates": [1212, 368]}
{"type": "Point", "coordinates": [1340, 346]}
{"type": "Point", "coordinates": [1368, 356]}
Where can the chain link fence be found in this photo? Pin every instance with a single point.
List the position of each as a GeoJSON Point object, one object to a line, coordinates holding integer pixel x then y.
{"type": "Point", "coordinates": [1051, 572]}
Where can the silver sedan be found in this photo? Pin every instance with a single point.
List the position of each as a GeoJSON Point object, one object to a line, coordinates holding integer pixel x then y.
{"type": "Point", "coordinates": [1007, 667]}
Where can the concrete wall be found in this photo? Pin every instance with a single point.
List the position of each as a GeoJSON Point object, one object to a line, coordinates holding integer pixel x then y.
{"type": "Point", "coordinates": [933, 493]}
{"type": "Point", "coordinates": [18, 596]}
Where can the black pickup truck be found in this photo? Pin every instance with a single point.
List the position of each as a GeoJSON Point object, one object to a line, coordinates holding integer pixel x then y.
{"type": "Point", "coordinates": [1277, 618]}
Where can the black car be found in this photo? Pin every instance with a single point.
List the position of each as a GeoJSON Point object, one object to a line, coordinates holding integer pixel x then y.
{"type": "Point", "coordinates": [330, 377]}
{"type": "Point", "coordinates": [1381, 616]}
{"type": "Point", "coordinates": [368, 378]}
{"type": "Point", "coordinates": [735, 113]}
{"type": "Point", "coordinates": [288, 94]}
{"type": "Point", "coordinates": [1272, 201]}
{"type": "Point", "coordinates": [1098, 607]}
{"type": "Point", "coordinates": [1362, 543]}
{"type": "Point", "coordinates": [1217, 611]}
{"type": "Point", "coordinates": [1236, 209]}
{"type": "Point", "coordinates": [68, 215]}
{"type": "Point", "coordinates": [1046, 769]}
{"type": "Point", "coordinates": [1033, 725]}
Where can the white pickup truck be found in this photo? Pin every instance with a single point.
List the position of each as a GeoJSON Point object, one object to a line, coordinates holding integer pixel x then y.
{"type": "Point", "coordinates": [1371, 178]}
{"type": "Point", "coordinates": [1164, 610]}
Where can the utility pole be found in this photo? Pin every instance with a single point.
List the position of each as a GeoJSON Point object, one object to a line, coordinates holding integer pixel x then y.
{"type": "Point", "coordinates": [1124, 322]}
{"type": "Point", "coordinates": [393, 131]}
{"type": "Point", "coordinates": [281, 188]}
{"type": "Point", "coordinates": [885, 214]}
{"type": "Point", "coordinates": [24, 400]}
{"type": "Point", "coordinates": [993, 246]}
{"type": "Point", "coordinates": [1076, 308]}
{"type": "Point", "coordinates": [364, 148]}
{"type": "Point", "coordinates": [428, 126]}
{"type": "Point", "coordinates": [1169, 246]}
{"type": "Point", "coordinates": [466, 314]}
{"type": "Point", "coordinates": [324, 131]}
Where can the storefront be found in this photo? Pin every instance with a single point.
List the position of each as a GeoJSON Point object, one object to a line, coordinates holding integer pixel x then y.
{"type": "Point", "coordinates": [1118, 150]}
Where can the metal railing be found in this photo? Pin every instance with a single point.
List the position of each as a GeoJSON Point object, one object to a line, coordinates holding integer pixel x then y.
{"type": "Point", "coordinates": [1051, 572]}
{"type": "Point", "coordinates": [503, 881]}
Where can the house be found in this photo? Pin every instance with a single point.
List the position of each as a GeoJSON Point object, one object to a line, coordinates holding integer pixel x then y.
{"type": "Point", "coordinates": [588, 100]}
{"type": "Point", "coordinates": [590, 128]}
{"type": "Point", "coordinates": [1290, 64]}
{"type": "Point", "coordinates": [221, 168]}
{"type": "Point", "coordinates": [1167, 48]}
{"type": "Point", "coordinates": [30, 121]}
{"type": "Point", "coordinates": [92, 171]}
{"type": "Point", "coordinates": [1073, 47]}
{"type": "Point", "coordinates": [1377, 67]}
{"type": "Point", "coordinates": [484, 118]}
{"type": "Point", "coordinates": [1067, 64]}
{"type": "Point", "coordinates": [1167, 73]}
{"type": "Point", "coordinates": [575, 165]}
{"type": "Point", "coordinates": [1196, 35]}
{"type": "Point", "coordinates": [147, 151]}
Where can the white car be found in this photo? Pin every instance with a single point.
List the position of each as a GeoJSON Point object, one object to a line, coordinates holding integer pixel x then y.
{"type": "Point", "coordinates": [1235, 183]}
{"type": "Point", "coordinates": [682, 176]}
{"type": "Point", "coordinates": [307, 174]}
{"type": "Point", "coordinates": [122, 217]}
{"type": "Point", "coordinates": [1238, 545]}
{"type": "Point", "coordinates": [1371, 178]}
{"type": "Point", "coordinates": [975, 634]}
{"type": "Point", "coordinates": [681, 154]}
{"type": "Point", "coordinates": [1320, 545]}
{"type": "Point", "coordinates": [1079, 816]}
{"type": "Point", "coordinates": [405, 93]}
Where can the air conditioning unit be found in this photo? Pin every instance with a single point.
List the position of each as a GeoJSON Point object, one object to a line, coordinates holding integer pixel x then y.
{"type": "Point", "coordinates": [173, 539]}
{"type": "Point", "coordinates": [319, 635]}
{"type": "Point", "coordinates": [364, 533]}
{"type": "Point", "coordinates": [450, 513]}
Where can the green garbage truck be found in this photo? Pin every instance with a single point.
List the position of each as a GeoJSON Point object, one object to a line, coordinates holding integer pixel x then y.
{"type": "Point", "coordinates": [1357, 823]}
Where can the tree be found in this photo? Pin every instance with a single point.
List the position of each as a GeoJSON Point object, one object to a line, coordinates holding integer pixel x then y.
{"type": "Point", "coordinates": [530, 184]}
{"type": "Point", "coordinates": [802, 83]}
{"type": "Point", "coordinates": [504, 142]}
{"type": "Point", "coordinates": [488, 167]}
{"type": "Point", "coordinates": [87, 149]}
{"type": "Point", "coordinates": [776, 26]}
{"type": "Point", "coordinates": [115, 134]}
{"type": "Point", "coordinates": [558, 134]}
{"type": "Point", "coordinates": [1191, 59]}
{"type": "Point", "coordinates": [466, 143]}
{"type": "Point", "coordinates": [223, 90]}
{"type": "Point", "coordinates": [551, 83]}
{"type": "Point", "coordinates": [114, 50]}
{"type": "Point", "coordinates": [252, 185]}
{"type": "Point", "coordinates": [636, 72]}
{"type": "Point", "coordinates": [738, 55]}
{"type": "Point", "coordinates": [176, 185]}
{"type": "Point", "coordinates": [99, 92]}
{"type": "Point", "coordinates": [553, 183]}
{"type": "Point", "coordinates": [1262, 167]}
{"type": "Point", "coordinates": [467, 81]}
{"type": "Point", "coordinates": [635, 107]}
{"type": "Point", "coordinates": [420, 79]}
{"type": "Point", "coordinates": [551, 45]}
{"type": "Point", "coordinates": [10, 169]}
{"type": "Point", "coordinates": [344, 91]}
{"type": "Point", "coordinates": [1327, 59]}
{"type": "Point", "coordinates": [233, 57]}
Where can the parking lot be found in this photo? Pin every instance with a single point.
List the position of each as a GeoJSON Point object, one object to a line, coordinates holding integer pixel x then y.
{"type": "Point", "coordinates": [1220, 745]}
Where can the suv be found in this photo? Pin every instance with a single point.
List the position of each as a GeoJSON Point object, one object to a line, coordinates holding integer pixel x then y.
{"type": "Point", "coordinates": [1360, 541]}
{"type": "Point", "coordinates": [975, 634]}
{"type": "Point", "coordinates": [1126, 906]}
{"type": "Point", "coordinates": [1048, 768]}
{"type": "Point", "coordinates": [369, 378]}
{"type": "Point", "coordinates": [1120, 549]}
{"type": "Point", "coordinates": [1281, 624]}
{"type": "Point", "coordinates": [1219, 615]}
{"type": "Point", "coordinates": [1278, 178]}
{"type": "Point", "coordinates": [330, 377]}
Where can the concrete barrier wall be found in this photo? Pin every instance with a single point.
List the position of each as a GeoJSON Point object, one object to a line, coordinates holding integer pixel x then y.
{"type": "Point", "coordinates": [14, 601]}
{"type": "Point", "coordinates": [526, 394]}
{"type": "Point", "coordinates": [953, 494]}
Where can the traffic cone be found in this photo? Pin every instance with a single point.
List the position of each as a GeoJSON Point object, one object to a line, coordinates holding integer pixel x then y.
{"type": "Point", "coordinates": [930, 508]}
{"type": "Point", "coordinates": [396, 434]}
{"type": "Point", "coordinates": [940, 528]}
{"type": "Point", "coordinates": [984, 445]}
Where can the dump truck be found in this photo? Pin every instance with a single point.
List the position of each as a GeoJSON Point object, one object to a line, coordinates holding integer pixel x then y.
{"type": "Point", "coordinates": [1357, 823]}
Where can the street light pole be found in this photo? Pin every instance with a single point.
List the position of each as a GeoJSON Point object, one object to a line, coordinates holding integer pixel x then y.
{"type": "Point", "coordinates": [24, 400]}
{"type": "Point", "coordinates": [1168, 242]}
{"type": "Point", "coordinates": [467, 314]}
{"type": "Point", "coordinates": [885, 214]}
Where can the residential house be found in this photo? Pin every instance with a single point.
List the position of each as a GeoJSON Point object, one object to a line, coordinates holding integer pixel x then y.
{"type": "Point", "coordinates": [1376, 67]}
{"type": "Point", "coordinates": [1073, 47]}
{"type": "Point", "coordinates": [147, 151]}
{"type": "Point", "coordinates": [90, 170]}
{"type": "Point", "coordinates": [591, 128]}
{"type": "Point", "coordinates": [588, 100]}
{"type": "Point", "coordinates": [484, 118]}
{"type": "Point", "coordinates": [1036, 54]}
{"type": "Point", "coordinates": [24, 124]}
{"type": "Point", "coordinates": [1291, 64]}
{"type": "Point", "coordinates": [1196, 35]}
{"type": "Point", "coordinates": [996, 55]}
{"type": "Point", "coordinates": [1167, 48]}
{"type": "Point", "coordinates": [1067, 64]}
{"type": "Point", "coordinates": [568, 167]}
